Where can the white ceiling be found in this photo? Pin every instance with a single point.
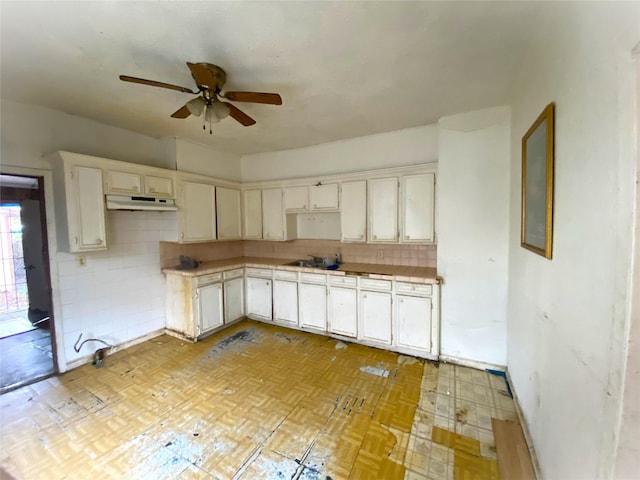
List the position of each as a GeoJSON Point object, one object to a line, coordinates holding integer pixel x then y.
{"type": "Point", "coordinates": [344, 69]}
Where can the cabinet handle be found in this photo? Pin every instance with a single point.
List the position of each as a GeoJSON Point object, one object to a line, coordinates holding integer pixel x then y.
{"type": "Point", "coordinates": [408, 237]}
{"type": "Point", "coordinates": [375, 237]}
{"type": "Point", "coordinates": [75, 240]}
{"type": "Point", "coordinates": [361, 236]}
{"type": "Point", "coordinates": [152, 190]}
{"type": "Point", "coordinates": [315, 205]}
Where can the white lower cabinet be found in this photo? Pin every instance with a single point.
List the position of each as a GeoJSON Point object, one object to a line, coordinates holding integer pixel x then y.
{"type": "Point", "coordinates": [208, 303]}
{"type": "Point", "coordinates": [285, 302]}
{"type": "Point", "coordinates": [343, 311]}
{"type": "Point", "coordinates": [413, 323]}
{"type": "Point", "coordinates": [233, 299]}
{"type": "Point", "coordinates": [313, 306]}
{"type": "Point", "coordinates": [375, 317]}
{"type": "Point", "coordinates": [259, 298]}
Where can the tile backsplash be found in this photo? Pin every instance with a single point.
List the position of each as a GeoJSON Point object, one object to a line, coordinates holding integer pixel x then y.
{"type": "Point", "coordinates": [409, 255]}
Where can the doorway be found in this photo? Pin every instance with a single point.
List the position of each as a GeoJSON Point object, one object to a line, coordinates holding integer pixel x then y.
{"type": "Point", "coordinates": [27, 352]}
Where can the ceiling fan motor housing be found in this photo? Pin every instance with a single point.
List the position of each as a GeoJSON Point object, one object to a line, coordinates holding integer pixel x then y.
{"type": "Point", "coordinates": [218, 74]}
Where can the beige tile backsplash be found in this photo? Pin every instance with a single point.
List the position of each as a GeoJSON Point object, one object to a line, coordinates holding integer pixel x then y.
{"type": "Point", "coordinates": [409, 255]}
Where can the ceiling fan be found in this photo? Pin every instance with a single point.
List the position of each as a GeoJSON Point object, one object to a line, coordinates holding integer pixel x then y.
{"type": "Point", "coordinates": [210, 79]}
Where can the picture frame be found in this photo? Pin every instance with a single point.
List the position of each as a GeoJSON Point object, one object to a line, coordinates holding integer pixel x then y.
{"type": "Point", "coordinates": [537, 184]}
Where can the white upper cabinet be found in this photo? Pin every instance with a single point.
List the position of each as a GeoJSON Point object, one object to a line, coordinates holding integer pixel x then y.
{"type": "Point", "coordinates": [252, 208]}
{"type": "Point", "coordinates": [417, 215]}
{"type": "Point", "coordinates": [133, 183]}
{"type": "Point", "coordinates": [296, 199]}
{"type": "Point", "coordinates": [272, 214]}
{"type": "Point", "coordinates": [228, 213]}
{"type": "Point", "coordinates": [124, 182]}
{"type": "Point", "coordinates": [79, 203]}
{"type": "Point", "coordinates": [383, 210]}
{"type": "Point", "coordinates": [89, 230]}
{"type": "Point", "coordinates": [198, 212]}
{"type": "Point", "coordinates": [353, 214]}
{"type": "Point", "coordinates": [324, 197]}
{"type": "Point", "coordinates": [155, 186]}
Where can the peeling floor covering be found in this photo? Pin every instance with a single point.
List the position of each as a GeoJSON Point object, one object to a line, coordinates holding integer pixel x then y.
{"type": "Point", "coordinates": [254, 401]}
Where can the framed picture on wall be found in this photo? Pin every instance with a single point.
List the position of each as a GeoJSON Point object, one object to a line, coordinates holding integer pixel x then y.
{"type": "Point", "coordinates": [537, 185]}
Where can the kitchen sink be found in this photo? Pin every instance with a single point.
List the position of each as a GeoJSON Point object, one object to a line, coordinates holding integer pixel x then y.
{"type": "Point", "coordinates": [306, 264]}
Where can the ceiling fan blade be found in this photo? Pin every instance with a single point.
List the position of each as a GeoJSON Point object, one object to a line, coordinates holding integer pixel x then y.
{"type": "Point", "coordinates": [153, 83]}
{"type": "Point", "coordinates": [254, 97]}
{"type": "Point", "coordinates": [239, 115]}
{"type": "Point", "coordinates": [202, 75]}
{"type": "Point", "coordinates": [182, 112]}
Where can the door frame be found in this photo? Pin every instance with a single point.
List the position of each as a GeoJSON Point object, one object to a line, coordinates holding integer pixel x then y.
{"type": "Point", "coordinates": [57, 338]}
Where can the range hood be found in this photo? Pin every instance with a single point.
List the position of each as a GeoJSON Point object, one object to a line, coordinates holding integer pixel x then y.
{"type": "Point", "coordinates": [122, 202]}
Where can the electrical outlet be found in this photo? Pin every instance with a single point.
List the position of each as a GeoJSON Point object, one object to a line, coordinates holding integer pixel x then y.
{"type": "Point", "coordinates": [82, 260]}
{"type": "Point", "coordinates": [380, 254]}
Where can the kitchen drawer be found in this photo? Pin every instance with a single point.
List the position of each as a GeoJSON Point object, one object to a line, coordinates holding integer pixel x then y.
{"type": "Point", "coordinates": [259, 272]}
{"type": "Point", "coordinates": [286, 275]}
{"type": "Point", "coordinates": [313, 278]}
{"type": "Point", "coordinates": [372, 284]}
{"type": "Point", "coordinates": [207, 279]}
{"type": "Point", "coordinates": [417, 289]}
{"type": "Point", "coordinates": [229, 274]}
{"type": "Point", "coordinates": [343, 281]}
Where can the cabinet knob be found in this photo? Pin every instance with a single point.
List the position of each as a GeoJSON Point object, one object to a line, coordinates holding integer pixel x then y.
{"type": "Point", "coordinates": [75, 240]}
{"type": "Point", "coordinates": [375, 236]}
{"type": "Point", "coordinates": [152, 190]}
{"type": "Point", "coordinates": [408, 237]}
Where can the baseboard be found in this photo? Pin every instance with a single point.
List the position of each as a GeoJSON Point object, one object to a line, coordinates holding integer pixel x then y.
{"type": "Point", "coordinates": [465, 362]}
{"type": "Point", "coordinates": [525, 428]}
{"type": "Point", "coordinates": [78, 362]}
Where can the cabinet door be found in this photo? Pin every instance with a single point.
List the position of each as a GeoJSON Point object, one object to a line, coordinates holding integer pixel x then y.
{"type": "Point", "coordinates": [383, 210]}
{"type": "Point", "coordinates": [375, 317]}
{"type": "Point", "coordinates": [124, 182]}
{"type": "Point", "coordinates": [417, 221]}
{"type": "Point", "coordinates": [158, 186]}
{"type": "Point", "coordinates": [343, 311]}
{"type": "Point", "coordinates": [88, 231]}
{"type": "Point", "coordinates": [272, 214]}
{"type": "Point", "coordinates": [228, 213]}
{"type": "Point", "coordinates": [198, 213]}
{"type": "Point", "coordinates": [259, 298]}
{"type": "Point", "coordinates": [353, 215]}
{"type": "Point", "coordinates": [296, 198]}
{"type": "Point", "coordinates": [233, 299]}
{"type": "Point", "coordinates": [313, 306]}
{"type": "Point", "coordinates": [252, 214]}
{"type": "Point", "coordinates": [285, 302]}
{"type": "Point", "coordinates": [413, 323]}
{"type": "Point", "coordinates": [209, 307]}
{"type": "Point", "coordinates": [324, 197]}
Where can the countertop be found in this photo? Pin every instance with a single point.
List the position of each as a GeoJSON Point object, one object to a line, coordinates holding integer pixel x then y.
{"type": "Point", "coordinates": [371, 270]}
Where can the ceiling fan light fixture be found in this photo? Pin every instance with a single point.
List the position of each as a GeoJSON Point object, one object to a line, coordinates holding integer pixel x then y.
{"type": "Point", "coordinates": [220, 109]}
{"type": "Point", "coordinates": [210, 115]}
{"type": "Point", "coordinates": [196, 106]}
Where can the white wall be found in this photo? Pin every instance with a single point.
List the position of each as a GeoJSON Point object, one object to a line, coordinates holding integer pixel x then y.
{"type": "Point", "coordinates": [473, 233]}
{"type": "Point", "coordinates": [567, 316]}
{"type": "Point", "coordinates": [197, 158]}
{"type": "Point", "coordinates": [119, 295]}
{"type": "Point", "coordinates": [28, 132]}
{"type": "Point", "coordinates": [628, 454]}
{"type": "Point", "coordinates": [391, 149]}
